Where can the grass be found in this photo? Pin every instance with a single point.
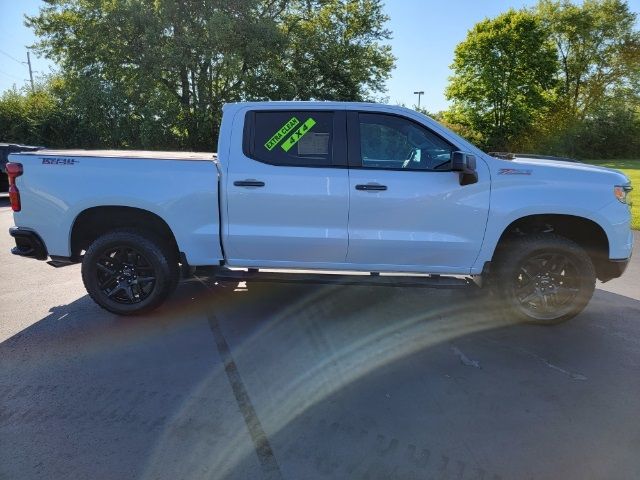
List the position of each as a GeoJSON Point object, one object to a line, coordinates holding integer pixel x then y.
{"type": "Point", "coordinates": [631, 168]}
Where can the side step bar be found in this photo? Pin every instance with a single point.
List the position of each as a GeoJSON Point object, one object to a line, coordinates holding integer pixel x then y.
{"type": "Point", "coordinates": [373, 279]}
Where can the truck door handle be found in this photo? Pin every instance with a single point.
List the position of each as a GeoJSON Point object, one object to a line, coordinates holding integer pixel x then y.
{"type": "Point", "coordinates": [371, 187]}
{"type": "Point", "coordinates": [248, 183]}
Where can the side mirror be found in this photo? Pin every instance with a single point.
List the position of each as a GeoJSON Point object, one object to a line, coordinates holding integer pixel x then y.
{"type": "Point", "coordinates": [465, 164]}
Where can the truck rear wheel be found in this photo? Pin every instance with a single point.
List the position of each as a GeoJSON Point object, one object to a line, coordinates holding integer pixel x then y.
{"type": "Point", "coordinates": [544, 278]}
{"type": "Point", "coordinates": [129, 272]}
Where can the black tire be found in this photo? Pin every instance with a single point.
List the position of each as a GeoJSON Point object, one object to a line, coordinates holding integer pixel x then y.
{"type": "Point", "coordinates": [129, 272]}
{"type": "Point", "coordinates": [544, 278]}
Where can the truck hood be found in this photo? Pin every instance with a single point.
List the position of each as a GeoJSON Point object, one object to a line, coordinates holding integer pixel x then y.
{"type": "Point", "coordinates": [569, 168]}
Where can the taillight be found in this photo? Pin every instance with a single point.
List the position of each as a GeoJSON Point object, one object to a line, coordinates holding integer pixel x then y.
{"type": "Point", "coordinates": [14, 170]}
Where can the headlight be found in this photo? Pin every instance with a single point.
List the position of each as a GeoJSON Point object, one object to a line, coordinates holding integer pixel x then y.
{"type": "Point", "coordinates": [621, 192]}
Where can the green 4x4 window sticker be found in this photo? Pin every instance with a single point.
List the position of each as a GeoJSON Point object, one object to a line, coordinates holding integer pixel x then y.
{"type": "Point", "coordinates": [298, 134]}
{"type": "Point", "coordinates": [280, 134]}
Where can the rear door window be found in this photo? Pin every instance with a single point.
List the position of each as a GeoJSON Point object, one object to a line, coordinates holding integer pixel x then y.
{"type": "Point", "coordinates": [291, 138]}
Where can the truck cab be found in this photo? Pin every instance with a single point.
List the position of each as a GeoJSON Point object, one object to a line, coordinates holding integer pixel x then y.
{"type": "Point", "coordinates": [374, 190]}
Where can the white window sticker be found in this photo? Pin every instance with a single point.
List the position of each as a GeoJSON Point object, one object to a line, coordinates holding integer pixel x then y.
{"type": "Point", "coordinates": [314, 144]}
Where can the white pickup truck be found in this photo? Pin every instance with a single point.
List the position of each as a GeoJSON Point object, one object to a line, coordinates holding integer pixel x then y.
{"type": "Point", "coordinates": [324, 186]}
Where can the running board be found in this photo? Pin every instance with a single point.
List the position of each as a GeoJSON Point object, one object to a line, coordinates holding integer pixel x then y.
{"type": "Point", "coordinates": [374, 279]}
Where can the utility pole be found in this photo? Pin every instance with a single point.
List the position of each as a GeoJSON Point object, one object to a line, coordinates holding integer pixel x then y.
{"type": "Point", "coordinates": [33, 89]}
{"type": "Point", "coordinates": [420, 93]}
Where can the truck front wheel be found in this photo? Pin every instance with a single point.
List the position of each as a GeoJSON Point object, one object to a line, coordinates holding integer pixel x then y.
{"type": "Point", "coordinates": [544, 278]}
{"type": "Point", "coordinates": [128, 272]}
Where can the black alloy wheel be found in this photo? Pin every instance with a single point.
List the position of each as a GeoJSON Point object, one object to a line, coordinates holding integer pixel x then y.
{"type": "Point", "coordinates": [125, 275]}
{"type": "Point", "coordinates": [546, 285]}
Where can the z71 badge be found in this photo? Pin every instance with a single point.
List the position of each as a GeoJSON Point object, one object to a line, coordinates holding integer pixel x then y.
{"type": "Point", "coordinates": [59, 161]}
{"type": "Point", "coordinates": [513, 171]}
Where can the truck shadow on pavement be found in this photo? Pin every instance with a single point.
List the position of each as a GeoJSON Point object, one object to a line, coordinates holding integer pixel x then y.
{"type": "Point", "coordinates": [345, 382]}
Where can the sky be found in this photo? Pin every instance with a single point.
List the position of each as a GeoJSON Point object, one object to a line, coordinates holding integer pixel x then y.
{"type": "Point", "coordinates": [425, 33]}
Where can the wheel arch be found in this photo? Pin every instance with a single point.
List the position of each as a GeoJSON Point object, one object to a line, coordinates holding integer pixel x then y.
{"type": "Point", "coordinates": [93, 222]}
{"type": "Point", "coordinates": [585, 232]}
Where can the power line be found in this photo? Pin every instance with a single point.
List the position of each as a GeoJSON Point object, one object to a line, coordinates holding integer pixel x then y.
{"type": "Point", "coordinates": [12, 76]}
{"type": "Point", "coordinates": [11, 57]}
{"type": "Point", "coordinates": [28, 62]}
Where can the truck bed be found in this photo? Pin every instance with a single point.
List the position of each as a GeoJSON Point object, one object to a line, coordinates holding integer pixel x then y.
{"type": "Point", "coordinates": [181, 190]}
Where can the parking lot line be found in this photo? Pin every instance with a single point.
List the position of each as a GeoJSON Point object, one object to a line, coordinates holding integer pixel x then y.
{"type": "Point", "coordinates": [263, 449]}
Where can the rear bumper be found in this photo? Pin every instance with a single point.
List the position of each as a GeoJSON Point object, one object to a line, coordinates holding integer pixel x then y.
{"type": "Point", "coordinates": [28, 244]}
{"type": "Point", "coordinates": [610, 269]}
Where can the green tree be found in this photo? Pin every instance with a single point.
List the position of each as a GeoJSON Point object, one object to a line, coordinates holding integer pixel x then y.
{"type": "Point", "coordinates": [33, 117]}
{"type": "Point", "coordinates": [598, 49]}
{"type": "Point", "coordinates": [502, 72]}
{"type": "Point", "coordinates": [597, 100]}
{"type": "Point", "coordinates": [334, 51]}
{"type": "Point", "coordinates": [150, 73]}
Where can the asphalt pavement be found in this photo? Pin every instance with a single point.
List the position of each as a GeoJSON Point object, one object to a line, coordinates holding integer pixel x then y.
{"type": "Point", "coordinates": [289, 381]}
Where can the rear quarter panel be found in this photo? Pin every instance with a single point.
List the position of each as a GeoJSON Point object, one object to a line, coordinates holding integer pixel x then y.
{"type": "Point", "coordinates": [183, 193]}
